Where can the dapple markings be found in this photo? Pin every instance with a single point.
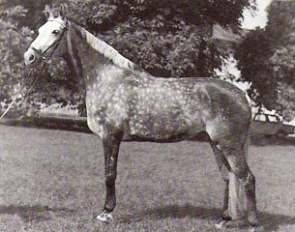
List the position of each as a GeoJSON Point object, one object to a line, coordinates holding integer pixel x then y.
{"type": "Point", "coordinates": [126, 103]}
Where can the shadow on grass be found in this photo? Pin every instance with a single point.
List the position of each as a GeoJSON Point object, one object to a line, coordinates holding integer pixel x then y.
{"type": "Point", "coordinates": [269, 222]}
{"type": "Point", "coordinates": [263, 141]}
{"type": "Point", "coordinates": [272, 222]}
{"type": "Point", "coordinates": [78, 124]}
{"type": "Point", "coordinates": [174, 211]}
{"type": "Point", "coordinates": [34, 213]}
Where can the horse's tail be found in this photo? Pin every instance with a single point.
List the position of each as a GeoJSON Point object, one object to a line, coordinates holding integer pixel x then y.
{"type": "Point", "coordinates": [237, 199]}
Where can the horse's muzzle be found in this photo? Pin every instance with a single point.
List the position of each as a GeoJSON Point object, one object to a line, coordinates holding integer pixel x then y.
{"type": "Point", "coordinates": [30, 57]}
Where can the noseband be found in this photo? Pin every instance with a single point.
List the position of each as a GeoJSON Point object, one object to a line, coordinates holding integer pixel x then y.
{"type": "Point", "coordinates": [42, 55]}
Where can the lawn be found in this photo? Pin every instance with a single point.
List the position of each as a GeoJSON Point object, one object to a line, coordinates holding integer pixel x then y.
{"type": "Point", "coordinates": [52, 180]}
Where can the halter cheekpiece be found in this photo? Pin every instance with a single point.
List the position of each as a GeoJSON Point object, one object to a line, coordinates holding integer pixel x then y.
{"type": "Point", "coordinates": [54, 45]}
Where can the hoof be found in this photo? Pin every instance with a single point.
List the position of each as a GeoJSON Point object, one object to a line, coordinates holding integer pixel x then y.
{"type": "Point", "coordinates": [221, 224]}
{"type": "Point", "coordinates": [105, 217]}
{"type": "Point", "coordinates": [256, 229]}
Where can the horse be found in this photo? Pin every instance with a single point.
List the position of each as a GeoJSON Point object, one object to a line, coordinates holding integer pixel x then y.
{"type": "Point", "coordinates": [126, 103]}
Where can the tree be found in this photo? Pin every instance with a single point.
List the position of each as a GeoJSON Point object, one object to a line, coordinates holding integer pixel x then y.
{"type": "Point", "coordinates": [167, 38]}
{"type": "Point", "coordinates": [12, 42]}
{"type": "Point", "coordinates": [266, 58]}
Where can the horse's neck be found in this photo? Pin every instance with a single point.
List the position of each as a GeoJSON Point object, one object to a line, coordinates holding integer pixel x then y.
{"type": "Point", "coordinates": [88, 58]}
{"type": "Point", "coordinates": [96, 67]}
{"type": "Point", "coordinates": [72, 59]}
{"type": "Point", "coordinates": [74, 64]}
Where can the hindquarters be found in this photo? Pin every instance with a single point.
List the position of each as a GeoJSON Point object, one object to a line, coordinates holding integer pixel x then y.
{"type": "Point", "coordinates": [229, 121]}
{"type": "Point", "coordinates": [228, 128]}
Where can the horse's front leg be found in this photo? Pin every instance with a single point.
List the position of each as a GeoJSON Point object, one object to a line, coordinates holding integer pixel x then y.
{"type": "Point", "coordinates": [111, 150]}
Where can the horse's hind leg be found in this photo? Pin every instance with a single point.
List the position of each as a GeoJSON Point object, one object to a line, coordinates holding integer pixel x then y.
{"type": "Point", "coordinates": [238, 165]}
{"type": "Point", "coordinates": [224, 169]}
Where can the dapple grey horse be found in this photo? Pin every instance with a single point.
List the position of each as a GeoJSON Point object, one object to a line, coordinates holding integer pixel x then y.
{"type": "Point", "coordinates": [125, 102]}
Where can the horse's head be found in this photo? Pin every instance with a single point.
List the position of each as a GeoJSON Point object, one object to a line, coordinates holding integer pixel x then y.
{"type": "Point", "coordinates": [51, 35]}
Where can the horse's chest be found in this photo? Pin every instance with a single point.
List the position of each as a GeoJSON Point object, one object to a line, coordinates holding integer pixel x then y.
{"type": "Point", "coordinates": [105, 110]}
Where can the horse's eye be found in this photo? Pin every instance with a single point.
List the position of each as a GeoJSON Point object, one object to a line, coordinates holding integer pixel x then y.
{"type": "Point", "coordinates": [55, 32]}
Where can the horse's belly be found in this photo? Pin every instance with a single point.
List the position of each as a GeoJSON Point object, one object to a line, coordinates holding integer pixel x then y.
{"type": "Point", "coordinates": [161, 129]}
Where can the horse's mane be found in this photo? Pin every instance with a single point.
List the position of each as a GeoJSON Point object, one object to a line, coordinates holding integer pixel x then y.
{"type": "Point", "coordinates": [106, 50]}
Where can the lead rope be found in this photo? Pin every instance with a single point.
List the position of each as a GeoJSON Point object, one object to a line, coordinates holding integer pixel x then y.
{"type": "Point", "coordinates": [19, 91]}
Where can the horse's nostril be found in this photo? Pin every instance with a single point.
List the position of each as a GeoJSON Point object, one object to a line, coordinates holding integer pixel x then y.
{"type": "Point", "coordinates": [31, 58]}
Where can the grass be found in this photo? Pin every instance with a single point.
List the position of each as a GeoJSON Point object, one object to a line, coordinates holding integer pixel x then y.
{"type": "Point", "coordinates": [53, 180]}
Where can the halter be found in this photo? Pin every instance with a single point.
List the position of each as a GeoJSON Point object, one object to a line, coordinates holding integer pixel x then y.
{"type": "Point", "coordinates": [54, 45]}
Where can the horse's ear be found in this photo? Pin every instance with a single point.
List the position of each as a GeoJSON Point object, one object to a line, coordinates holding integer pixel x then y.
{"type": "Point", "coordinates": [62, 11]}
{"type": "Point", "coordinates": [48, 12]}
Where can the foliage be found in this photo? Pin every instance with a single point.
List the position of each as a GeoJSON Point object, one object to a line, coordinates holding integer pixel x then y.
{"type": "Point", "coordinates": [253, 57]}
{"type": "Point", "coordinates": [167, 38]}
{"type": "Point", "coordinates": [12, 44]}
{"type": "Point", "coordinates": [266, 58]}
